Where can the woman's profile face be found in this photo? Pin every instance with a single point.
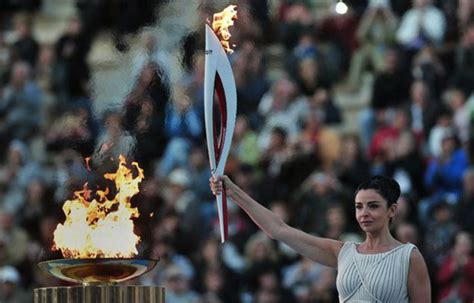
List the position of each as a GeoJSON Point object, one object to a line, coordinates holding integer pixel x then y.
{"type": "Point", "coordinates": [371, 210]}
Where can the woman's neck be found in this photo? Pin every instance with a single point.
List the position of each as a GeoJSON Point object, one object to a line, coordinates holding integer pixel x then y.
{"type": "Point", "coordinates": [382, 239]}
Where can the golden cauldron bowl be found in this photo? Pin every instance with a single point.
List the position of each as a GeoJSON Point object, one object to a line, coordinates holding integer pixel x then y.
{"type": "Point", "coordinates": [97, 271]}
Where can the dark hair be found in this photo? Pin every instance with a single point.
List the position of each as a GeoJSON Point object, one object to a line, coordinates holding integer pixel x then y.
{"type": "Point", "coordinates": [387, 187]}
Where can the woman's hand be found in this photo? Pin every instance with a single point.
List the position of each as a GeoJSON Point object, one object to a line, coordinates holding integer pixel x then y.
{"type": "Point", "coordinates": [218, 183]}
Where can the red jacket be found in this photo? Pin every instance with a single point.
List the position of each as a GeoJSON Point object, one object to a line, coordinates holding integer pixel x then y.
{"type": "Point", "coordinates": [447, 276]}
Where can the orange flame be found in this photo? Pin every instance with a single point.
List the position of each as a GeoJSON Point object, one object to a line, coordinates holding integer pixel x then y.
{"type": "Point", "coordinates": [101, 228]}
{"type": "Point", "coordinates": [220, 24]}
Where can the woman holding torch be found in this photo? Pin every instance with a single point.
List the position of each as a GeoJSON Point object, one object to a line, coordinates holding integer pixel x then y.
{"type": "Point", "coordinates": [380, 269]}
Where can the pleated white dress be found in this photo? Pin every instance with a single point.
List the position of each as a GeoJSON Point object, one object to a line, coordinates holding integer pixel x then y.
{"type": "Point", "coordinates": [373, 278]}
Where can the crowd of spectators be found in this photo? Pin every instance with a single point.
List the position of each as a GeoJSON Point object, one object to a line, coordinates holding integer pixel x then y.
{"type": "Point", "coordinates": [288, 151]}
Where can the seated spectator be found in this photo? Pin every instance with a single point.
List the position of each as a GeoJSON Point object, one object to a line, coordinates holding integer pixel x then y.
{"type": "Point", "coordinates": [16, 174]}
{"type": "Point", "coordinates": [421, 25]}
{"type": "Point", "coordinates": [25, 48]}
{"type": "Point", "coordinates": [72, 74]}
{"type": "Point", "coordinates": [10, 286]}
{"type": "Point", "coordinates": [442, 125]}
{"type": "Point", "coordinates": [21, 99]}
{"type": "Point", "coordinates": [178, 288]}
{"type": "Point", "coordinates": [146, 116]}
{"type": "Point", "coordinates": [375, 34]}
{"type": "Point", "coordinates": [38, 202]}
{"type": "Point", "coordinates": [456, 274]}
{"type": "Point", "coordinates": [424, 109]}
{"type": "Point", "coordinates": [317, 140]}
{"type": "Point", "coordinates": [315, 196]}
{"type": "Point", "coordinates": [268, 286]}
{"type": "Point", "coordinates": [439, 232]}
{"type": "Point", "coordinates": [300, 276]}
{"type": "Point", "coordinates": [248, 67]}
{"type": "Point", "coordinates": [322, 102]}
{"type": "Point", "coordinates": [218, 288]}
{"type": "Point", "coordinates": [405, 163]}
{"type": "Point", "coordinates": [183, 127]}
{"type": "Point", "coordinates": [296, 18]}
{"type": "Point", "coordinates": [351, 165]}
{"type": "Point", "coordinates": [13, 240]}
{"type": "Point", "coordinates": [427, 67]}
{"type": "Point", "coordinates": [113, 139]}
{"type": "Point", "coordinates": [213, 277]}
{"type": "Point", "coordinates": [407, 233]}
{"type": "Point", "coordinates": [338, 33]}
{"type": "Point", "coordinates": [164, 251]}
{"type": "Point", "coordinates": [464, 75]}
{"type": "Point", "coordinates": [324, 290]}
{"type": "Point", "coordinates": [443, 177]}
{"type": "Point", "coordinates": [457, 102]}
{"type": "Point", "coordinates": [465, 206]}
{"type": "Point", "coordinates": [310, 77]}
{"type": "Point", "coordinates": [75, 129]}
{"type": "Point", "coordinates": [389, 90]}
{"type": "Point", "coordinates": [5, 58]}
{"type": "Point", "coordinates": [385, 137]}
{"type": "Point", "coordinates": [279, 107]}
{"type": "Point", "coordinates": [244, 145]}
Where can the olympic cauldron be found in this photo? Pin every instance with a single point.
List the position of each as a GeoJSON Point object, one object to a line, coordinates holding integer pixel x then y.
{"type": "Point", "coordinates": [98, 244]}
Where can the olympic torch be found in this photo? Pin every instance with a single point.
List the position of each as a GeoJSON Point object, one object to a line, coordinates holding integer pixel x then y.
{"type": "Point", "coordinates": [219, 82]}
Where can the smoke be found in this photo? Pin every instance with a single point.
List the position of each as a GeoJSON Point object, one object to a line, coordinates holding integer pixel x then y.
{"type": "Point", "coordinates": [113, 81]}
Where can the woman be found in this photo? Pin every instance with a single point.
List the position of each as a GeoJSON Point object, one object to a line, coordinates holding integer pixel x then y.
{"type": "Point", "coordinates": [380, 269]}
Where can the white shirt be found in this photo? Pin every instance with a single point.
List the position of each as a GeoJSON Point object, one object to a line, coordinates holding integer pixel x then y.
{"type": "Point", "coordinates": [431, 20]}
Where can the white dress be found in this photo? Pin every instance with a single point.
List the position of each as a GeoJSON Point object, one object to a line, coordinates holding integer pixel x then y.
{"type": "Point", "coordinates": [381, 277]}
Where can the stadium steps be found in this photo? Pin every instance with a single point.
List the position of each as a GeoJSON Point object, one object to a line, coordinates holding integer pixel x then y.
{"type": "Point", "coordinates": [352, 103]}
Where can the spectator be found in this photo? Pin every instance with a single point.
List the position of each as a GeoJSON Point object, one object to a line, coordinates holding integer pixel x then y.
{"type": "Point", "coordinates": [10, 286]}
{"type": "Point", "coordinates": [145, 110]}
{"type": "Point", "coordinates": [456, 101]}
{"type": "Point", "coordinates": [21, 97]}
{"type": "Point", "coordinates": [183, 127]}
{"type": "Point", "coordinates": [177, 287]}
{"type": "Point", "coordinates": [389, 90]}
{"type": "Point", "coordinates": [456, 273]}
{"type": "Point", "coordinates": [351, 165]}
{"type": "Point", "coordinates": [213, 277]}
{"type": "Point", "coordinates": [443, 177]}
{"type": "Point", "coordinates": [323, 102]}
{"type": "Point", "coordinates": [300, 276]}
{"type": "Point", "coordinates": [5, 58]}
{"type": "Point", "coordinates": [439, 232]}
{"type": "Point", "coordinates": [248, 68]}
{"type": "Point", "coordinates": [13, 240]}
{"type": "Point", "coordinates": [442, 125]}
{"type": "Point", "coordinates": [25, 48]}
{"type": "Point", "coordinates": [423, 109]}
{"type": "Point", "coordinates": [465, 206]}
{"type": "Point", "coordinates": [296, 19]}
{"type": "Point", "coordinates": [407, 233]}
{"type": "Point", "coordinates": [279, 107]}
{"type": "Point", "coordinates": [427, 66]}
{"type": "Point", "coordinates": [323, 290]}
{"type": "Point", "coordinates": [16, 174]}
{"type": "Point", "coordinates": [244, 145]}
{"type": "Point", "coordinates": [375, 34]}
{"type": "Point", "coordinates": [464, 76]}
{"type": "Point", "coordinates": [310, 77]}
{"type": "Point", "coordinates": [421, 25]}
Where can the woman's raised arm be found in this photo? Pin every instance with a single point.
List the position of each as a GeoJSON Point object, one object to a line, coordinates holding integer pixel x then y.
{"type": "Point", "coordinates": [318, 249]}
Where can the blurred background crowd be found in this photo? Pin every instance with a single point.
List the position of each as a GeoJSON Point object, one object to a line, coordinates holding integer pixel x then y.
{"type": "Point", "coordinates": [325, 100]}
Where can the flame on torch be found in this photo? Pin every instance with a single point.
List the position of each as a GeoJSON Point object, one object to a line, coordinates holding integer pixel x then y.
{"type": "Point", "coordinates": [220, 24]}
{"type": "Point", "coordinates": [101, 228]}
